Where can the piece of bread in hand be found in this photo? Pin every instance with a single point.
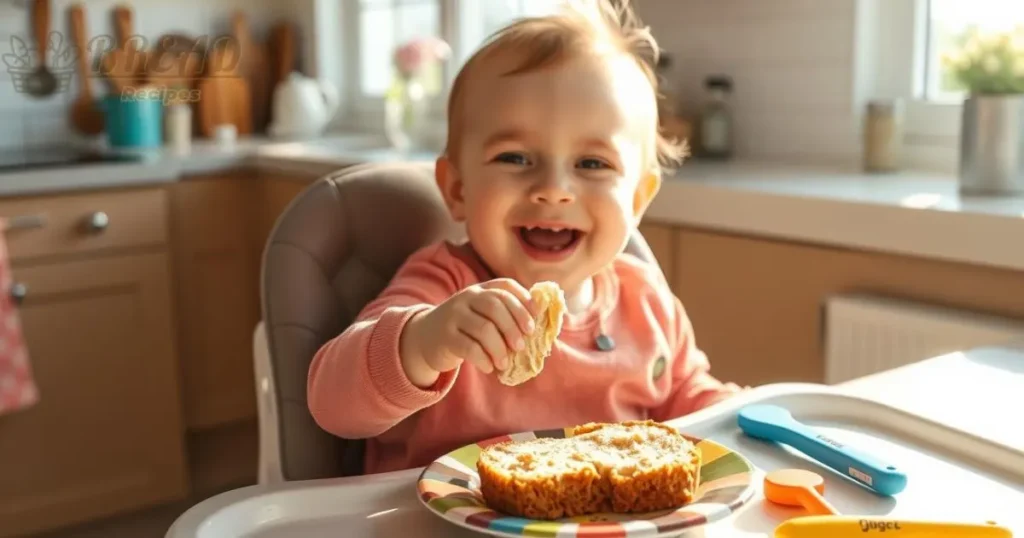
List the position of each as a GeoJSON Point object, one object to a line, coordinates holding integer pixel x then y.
{"type": "Point", "coordinates": [627, 467]}
{"type": "Point", "coordinates": [525, 364]}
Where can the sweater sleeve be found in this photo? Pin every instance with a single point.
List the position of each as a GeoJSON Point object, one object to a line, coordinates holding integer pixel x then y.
{"type": "Point", "coordinates": [356, 386]}
{"type": "Point", "coordinates": [693, 386]}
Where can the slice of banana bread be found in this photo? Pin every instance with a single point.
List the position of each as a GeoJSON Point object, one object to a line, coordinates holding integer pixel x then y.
{"type": "Point", "coordinates": [627, 467]}
{"type": "Point", "coordinates": [526, 364]}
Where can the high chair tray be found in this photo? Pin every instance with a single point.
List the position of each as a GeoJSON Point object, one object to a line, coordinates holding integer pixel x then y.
{"type": "Point", "coordinates": [952, 475]}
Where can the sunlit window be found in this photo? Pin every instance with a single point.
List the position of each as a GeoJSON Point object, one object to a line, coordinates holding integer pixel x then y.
{"type": "Point", "coordinates": [951, 23]}
{"type": "Point", "coordinates": [384, 25]}
{"type": "Point", "coordinates": [480, 19]}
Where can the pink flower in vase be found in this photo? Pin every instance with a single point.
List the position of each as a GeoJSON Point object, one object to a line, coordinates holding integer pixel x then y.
{"type": "Point", "coordinates": [412, 57]}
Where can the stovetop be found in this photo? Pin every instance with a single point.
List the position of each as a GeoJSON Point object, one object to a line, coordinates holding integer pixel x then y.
{"type": "Point", "coordinates": [58, 157]}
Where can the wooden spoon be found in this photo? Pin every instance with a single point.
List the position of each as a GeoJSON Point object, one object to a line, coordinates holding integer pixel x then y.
{"type": "Point", "coordinates": [41, 82]}
{"type": "Point", "coordinates": [138, 59]}
{"type": "Point", "coordinates": [254, 69]}
{"type": "Point", "coordinates": [86, 115]}
{"type": "Point", "coordinates": [120, 63]}
{"type": "Point", "coordinates": [282, 47]}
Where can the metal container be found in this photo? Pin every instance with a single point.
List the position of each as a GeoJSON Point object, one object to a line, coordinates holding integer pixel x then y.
{"type": "Point", "coordinates": [992, 145]}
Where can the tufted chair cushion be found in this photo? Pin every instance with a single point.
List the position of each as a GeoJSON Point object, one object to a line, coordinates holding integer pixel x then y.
{"type": "Point", "coordinates": [335, 248]}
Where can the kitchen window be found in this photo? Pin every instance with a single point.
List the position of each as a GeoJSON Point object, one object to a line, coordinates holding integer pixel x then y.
{"type": "Point", "coordinates": [949, 23]}
{"type": "Point", "coordinates": [905, 41]}
{"type": "Point", "coordinates": [375, 28]}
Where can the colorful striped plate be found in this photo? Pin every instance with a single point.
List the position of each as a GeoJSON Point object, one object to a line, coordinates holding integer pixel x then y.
{"type": "Point", "coordinates": [450, 486]}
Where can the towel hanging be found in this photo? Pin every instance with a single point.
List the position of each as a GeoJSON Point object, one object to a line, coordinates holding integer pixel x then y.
{"type": "Point", "coordinates": [18, 389]}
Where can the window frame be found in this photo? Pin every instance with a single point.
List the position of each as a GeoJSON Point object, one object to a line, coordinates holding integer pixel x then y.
{"type": "Point", "coordinates": [896, 67]}
{"type": "Point", "coordinates": [891, 62]}
{"type": "Point", "coordinates": [365, 112]}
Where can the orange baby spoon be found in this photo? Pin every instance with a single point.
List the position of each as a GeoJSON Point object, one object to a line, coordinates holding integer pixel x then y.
{"type": "Point", "coordinates": [797, 487]}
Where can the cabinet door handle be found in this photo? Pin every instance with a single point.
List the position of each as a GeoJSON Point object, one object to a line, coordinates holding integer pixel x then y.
{"type": "Point", "coordinates": [18, 292]}
{"type": "Point", "coordinates": [23, 222]}
{"type": "Point", "coordinates": [98, 221]}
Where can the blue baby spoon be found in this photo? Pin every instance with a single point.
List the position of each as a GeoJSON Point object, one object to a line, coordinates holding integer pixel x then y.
{"type": "Point", "coordinates": [773, 423]}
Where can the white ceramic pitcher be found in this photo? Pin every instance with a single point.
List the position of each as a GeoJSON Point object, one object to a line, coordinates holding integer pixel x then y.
{"type": "Point", "coordinates": [302, 107]}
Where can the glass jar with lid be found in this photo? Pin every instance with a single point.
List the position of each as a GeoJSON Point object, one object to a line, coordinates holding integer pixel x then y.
{"type": "Point", "coordinates": [716, 122]}
{"type": "Point", "coordinates": [883, 135]}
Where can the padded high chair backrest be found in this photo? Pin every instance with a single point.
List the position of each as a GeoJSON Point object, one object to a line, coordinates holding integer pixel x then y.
{"type": "Point", "coordinates": [335, 248]}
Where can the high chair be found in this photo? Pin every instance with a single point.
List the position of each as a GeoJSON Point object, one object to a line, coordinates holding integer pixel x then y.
{"type": "Point", "coordinates": [333, 249]}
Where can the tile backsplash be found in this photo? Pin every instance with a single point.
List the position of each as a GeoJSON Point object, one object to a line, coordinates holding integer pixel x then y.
{"type": "Point", "coordinates": [30, 121]}
{"type": "Point", "coordinates": [792, 65]}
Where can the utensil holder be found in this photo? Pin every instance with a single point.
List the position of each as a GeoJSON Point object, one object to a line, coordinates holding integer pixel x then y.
{"type": "Point", "coordinates": [133, 122]}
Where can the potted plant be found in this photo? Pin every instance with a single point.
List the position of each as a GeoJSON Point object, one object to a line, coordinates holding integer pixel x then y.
{"type": "Point", "coordinates": [991, 68]}
{"type": "Point", "coordinates": [417, 81]}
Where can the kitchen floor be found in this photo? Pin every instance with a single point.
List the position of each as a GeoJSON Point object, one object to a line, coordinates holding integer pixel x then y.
{"type": "Point", "coordinates": [222, 459]}
{"type": "Point", "coordinates": [151, 523]}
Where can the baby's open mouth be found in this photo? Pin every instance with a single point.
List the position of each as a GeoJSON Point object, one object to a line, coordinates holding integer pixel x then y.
{"type": "Point", "coordinates": [549, 239]}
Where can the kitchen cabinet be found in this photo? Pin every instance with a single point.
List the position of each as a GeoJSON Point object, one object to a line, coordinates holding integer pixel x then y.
{"type": "Point", "coordinates": [756, 303]}
{"type": "Point", "coordinates": [139, 315]}
{"type": "Point", "coordinates": [98, 319]}
{"type": "Point", "coordinates": [217, 291]}
{"type": "Point", "coordinates": [83, 224]}
{"type": "Point", "coordinates": [220, 224]}
{"type": "Point", "coordinates": [279, 191]}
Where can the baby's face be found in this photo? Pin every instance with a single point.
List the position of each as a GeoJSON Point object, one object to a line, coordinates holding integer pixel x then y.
{"type": "Point", "coordinates": [551, 174]}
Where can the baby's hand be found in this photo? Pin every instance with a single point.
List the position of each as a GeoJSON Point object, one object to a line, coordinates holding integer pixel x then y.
{"type": "Point", "coordinates": [483, 324]}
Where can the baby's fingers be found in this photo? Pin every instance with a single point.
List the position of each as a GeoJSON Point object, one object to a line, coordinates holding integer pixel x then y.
{"type": "Point", "coordinates": [509, 313]}
{"type": "Point", "coordinates": [516, 290]}
{"type": "Point", "coordinates": [495, 328]}
{"type": "Point", "coordinates": [469, 350]}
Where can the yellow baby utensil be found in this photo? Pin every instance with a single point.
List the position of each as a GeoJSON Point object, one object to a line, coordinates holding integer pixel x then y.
{"type": "Point", "coordinates": [858, 526]}
{"type": "Point", "coordinates": [797, 487]}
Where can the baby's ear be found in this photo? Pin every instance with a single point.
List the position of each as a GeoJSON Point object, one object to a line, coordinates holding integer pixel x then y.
{"type": "Point", "coordinates": [450, 184]}
{"type": "Point", "coordinates": [646, 189]}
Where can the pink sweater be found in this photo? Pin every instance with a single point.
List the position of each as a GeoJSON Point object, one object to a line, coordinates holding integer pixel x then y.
{"type": "Point", "coordinates": [357, 388]}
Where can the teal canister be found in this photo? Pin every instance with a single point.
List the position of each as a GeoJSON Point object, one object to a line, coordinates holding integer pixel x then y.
{"type": "Point", "coordinates": [134, 122]}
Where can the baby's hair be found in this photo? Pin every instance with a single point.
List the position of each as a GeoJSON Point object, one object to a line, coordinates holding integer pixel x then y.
{"type": "Point", "coordinates": [546, 40]}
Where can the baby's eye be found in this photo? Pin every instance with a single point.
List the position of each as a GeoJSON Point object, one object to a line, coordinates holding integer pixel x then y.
{"type": "Point", "coordinates": [593, 164]}
{"type": "Point", "coordinates": [512, 158]}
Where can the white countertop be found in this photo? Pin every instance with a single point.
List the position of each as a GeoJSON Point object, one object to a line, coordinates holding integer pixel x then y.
{"type": "Point", "coordinates": [306, 158]}
{"type": "Point", "coordinates": [979, 391]}
{"type": "Point", "coordinates": [908, 214]}
{"type": "Point", "coordinates": [913, 190]}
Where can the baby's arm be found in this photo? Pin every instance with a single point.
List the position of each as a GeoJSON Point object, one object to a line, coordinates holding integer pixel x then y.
{"type": "Point", "coordinates": [693, 386]}
{"type": "Point", "coordinates": [357, 387]}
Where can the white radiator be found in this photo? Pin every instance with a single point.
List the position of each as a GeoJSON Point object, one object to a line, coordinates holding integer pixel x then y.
{"type": "Point", "coordinates": [865, 335]}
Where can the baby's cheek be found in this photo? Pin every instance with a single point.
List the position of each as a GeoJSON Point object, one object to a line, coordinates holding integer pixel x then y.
{"type": "Point", "coordinates": [613, 229]}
